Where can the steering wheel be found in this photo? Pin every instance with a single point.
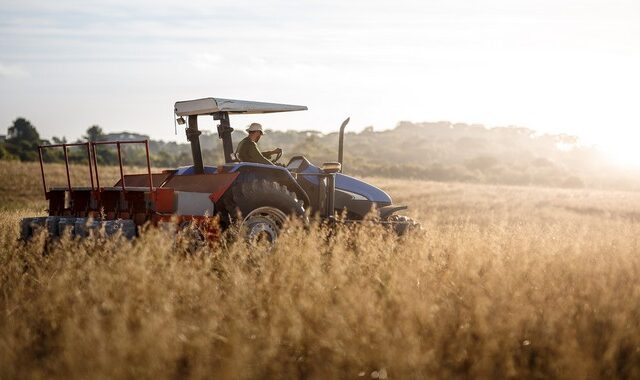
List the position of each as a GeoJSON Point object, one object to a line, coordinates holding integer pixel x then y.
{"type": "Point", "coordinates": [278, 155]}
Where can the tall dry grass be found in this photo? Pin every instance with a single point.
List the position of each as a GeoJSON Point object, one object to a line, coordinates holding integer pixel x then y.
{"type": "Point", "coordinates": [503, 282]}
{"type": "Point", "coordinates": [21, 182]}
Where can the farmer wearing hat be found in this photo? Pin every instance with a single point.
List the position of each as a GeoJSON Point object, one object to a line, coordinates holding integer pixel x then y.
{"type": "Point", "coordinates": [248, 151]}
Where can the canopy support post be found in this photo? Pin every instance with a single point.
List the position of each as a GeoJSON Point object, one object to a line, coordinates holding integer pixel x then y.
{"type": "Point", "coordinates": [193, 136]}
{"type": "Point", "coordinates": [224, 133]}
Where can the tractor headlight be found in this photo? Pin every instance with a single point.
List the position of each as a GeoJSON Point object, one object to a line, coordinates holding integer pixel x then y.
{"type": "Point", "coordinates": [331, 167]}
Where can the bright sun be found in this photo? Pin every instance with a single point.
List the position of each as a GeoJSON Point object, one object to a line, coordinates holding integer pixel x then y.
{"type": "Point", "coordinates": [623, 153]}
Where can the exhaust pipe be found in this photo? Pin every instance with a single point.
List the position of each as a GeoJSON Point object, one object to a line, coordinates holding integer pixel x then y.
{"type": "Point", "coordinates": [341, 142]}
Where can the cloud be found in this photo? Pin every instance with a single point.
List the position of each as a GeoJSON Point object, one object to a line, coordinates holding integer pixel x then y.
{"type": "Point", "coordinates": [12, 71]}
{"type": "Point", "coordinates": [205, 61]}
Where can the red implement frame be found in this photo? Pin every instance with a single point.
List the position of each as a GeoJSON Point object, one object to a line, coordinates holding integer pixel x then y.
{"type": "Point", "coordinates": [66, 163]}
{"type": "Point", "coordinates": [91, 154]}
{"type": "Point", "coordinates": [118, 144]}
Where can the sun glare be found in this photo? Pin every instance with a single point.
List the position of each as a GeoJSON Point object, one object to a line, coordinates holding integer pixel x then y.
{"type": "Point", "coordinates": [623, 153]}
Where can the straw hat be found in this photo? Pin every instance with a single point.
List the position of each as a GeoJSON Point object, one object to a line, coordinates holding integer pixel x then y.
{"type": "Point", "coordinates": [255, 127]}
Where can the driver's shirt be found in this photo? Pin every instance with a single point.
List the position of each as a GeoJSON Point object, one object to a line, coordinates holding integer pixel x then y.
{"type": "Point", "coordinates": [248, 151]}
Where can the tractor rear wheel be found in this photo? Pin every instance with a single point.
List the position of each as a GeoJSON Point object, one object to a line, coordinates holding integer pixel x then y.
{"type": "Point", "coordinates": [264, 207]}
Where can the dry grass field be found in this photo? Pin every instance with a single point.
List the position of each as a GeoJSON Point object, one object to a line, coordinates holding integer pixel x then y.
{"type": "Point", "coordinates": [503, 282]}
{"type": "Point", "coordinates": [21, 185]}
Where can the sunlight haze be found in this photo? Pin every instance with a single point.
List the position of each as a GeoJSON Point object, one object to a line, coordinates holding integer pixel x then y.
{"type": "Point", "coordinates": [552, 66]}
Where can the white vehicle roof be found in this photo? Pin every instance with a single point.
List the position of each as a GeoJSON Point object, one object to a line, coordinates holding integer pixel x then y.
{"type": "Point", "coordinates": [209, 106]}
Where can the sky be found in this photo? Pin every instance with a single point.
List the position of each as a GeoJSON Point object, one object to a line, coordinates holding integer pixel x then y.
{"type": "Point", "coordinates": [553, 66]}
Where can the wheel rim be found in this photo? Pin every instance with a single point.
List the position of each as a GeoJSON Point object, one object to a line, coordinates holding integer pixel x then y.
{"type": "Point", "coordinates": [263, 225]}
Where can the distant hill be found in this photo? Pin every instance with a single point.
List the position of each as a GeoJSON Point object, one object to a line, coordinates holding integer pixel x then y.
{"type": "Point", "coordinates": [438, 151]}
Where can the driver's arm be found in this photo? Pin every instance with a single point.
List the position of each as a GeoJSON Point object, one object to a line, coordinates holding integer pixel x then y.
{"type": "Point", "coordinates": [252, 154]}
{"type": "Point", "coordinates": [272, 152]}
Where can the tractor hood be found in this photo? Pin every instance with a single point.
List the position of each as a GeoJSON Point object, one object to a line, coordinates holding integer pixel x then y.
{"type": "Point", "coordinates": [357, 189]}
{"type": "Point", "coordinates": [361, 190]}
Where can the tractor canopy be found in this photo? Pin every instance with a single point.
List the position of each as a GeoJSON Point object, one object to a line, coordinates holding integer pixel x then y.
{"type": "Point", "coordinates": [220, 109]}
{"type": "Point", "coordinates": [208, 106]}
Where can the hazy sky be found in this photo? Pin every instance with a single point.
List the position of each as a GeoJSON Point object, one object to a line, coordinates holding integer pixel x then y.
{"type": "Point", "coordinates": [553, 66]}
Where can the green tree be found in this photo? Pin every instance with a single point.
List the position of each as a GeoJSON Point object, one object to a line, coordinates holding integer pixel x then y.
{"type": "Point", "coordinates": [23, 140]}
{"type": "Point", "coordinates": [105, 154]}
{"type": "Point", "coordinates": [58, 140]}
{"type": "Point", "coordinates": [4, 154]}
{"type": "Point", "coordinates": [94, 133]}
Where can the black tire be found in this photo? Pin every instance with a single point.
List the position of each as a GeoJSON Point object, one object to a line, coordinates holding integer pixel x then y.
{"type": "Point", "coordinates": [248, 196]}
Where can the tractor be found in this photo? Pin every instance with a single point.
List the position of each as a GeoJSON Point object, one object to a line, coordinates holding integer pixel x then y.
{"type": "Point", "coordinates": [259, 197]}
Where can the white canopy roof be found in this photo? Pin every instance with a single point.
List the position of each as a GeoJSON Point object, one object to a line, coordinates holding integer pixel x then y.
{"type": "Point", "coordinates": [208, 106]}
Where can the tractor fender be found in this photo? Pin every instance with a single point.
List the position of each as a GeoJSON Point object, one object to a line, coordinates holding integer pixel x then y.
{"type": "Point", "coordinates": [249, 171]}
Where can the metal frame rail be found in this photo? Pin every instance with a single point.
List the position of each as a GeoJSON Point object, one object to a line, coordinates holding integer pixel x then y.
{"type": "Point", "coordinates": [118, 144]}
{"type": "Point", "coordinates": [66, 163]}
{"type": "Point", "coordinates": [91, 155]}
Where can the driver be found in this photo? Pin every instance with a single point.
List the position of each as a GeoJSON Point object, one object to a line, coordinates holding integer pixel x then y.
{"type": "Point", "coordinates": [248, 151]}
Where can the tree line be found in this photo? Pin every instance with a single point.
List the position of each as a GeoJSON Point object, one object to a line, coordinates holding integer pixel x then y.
{"type": "Point", "coordinates": [440, 151]}
{"type": "Point", "coordinates": [23, 139]}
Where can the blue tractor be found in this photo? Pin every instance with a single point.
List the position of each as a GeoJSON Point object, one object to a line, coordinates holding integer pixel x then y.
{"type": "Point", "coordinates": [260, 197]}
